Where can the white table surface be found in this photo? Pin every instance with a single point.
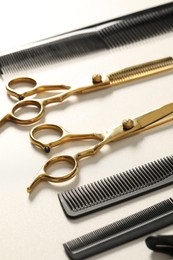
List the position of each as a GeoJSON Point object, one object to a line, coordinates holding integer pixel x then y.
{"type": "Point", "coordinates": [35, 227]}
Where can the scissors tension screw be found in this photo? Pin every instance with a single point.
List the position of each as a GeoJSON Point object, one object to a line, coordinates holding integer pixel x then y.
{"type": "Point", "coordinates": [96, 78]}
{"type": "Point", "coordinates": [21, 97]}
{"type": "Point", "coordinates": [47, 149]}
{"type": "Point", "coordinates": [127, 124]}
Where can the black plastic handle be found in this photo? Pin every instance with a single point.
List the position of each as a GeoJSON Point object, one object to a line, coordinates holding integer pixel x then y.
{"type": "Point", "coordinates": [162, 244]}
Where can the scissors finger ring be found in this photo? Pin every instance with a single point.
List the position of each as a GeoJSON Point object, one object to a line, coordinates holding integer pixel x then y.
{"type": "Point", "coordinates": [44, 176]}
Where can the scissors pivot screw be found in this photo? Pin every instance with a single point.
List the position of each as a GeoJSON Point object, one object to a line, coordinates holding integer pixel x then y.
{"type": "Point", "coordinates": [96, 78]}
{"type": "Point", "coordinates": [127, 124]}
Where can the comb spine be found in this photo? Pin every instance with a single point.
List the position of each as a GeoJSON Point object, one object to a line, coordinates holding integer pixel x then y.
{"type": "Point", "coordinates": [148, 220]}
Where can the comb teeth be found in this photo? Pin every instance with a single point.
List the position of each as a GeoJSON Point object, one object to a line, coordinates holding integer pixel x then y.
{"type": "Point", "coordinates": [141, 26]}
{"type": "Point", "coordinates": [139, 71]}
{"type": "Point", "coordinates": [104, 36]}
{"type": "Point", "coordinates": [141, 223]}
{"type": "Point", "coordinates": [50, 53]}
{"type": "Point", "coordinates": [117, 188]}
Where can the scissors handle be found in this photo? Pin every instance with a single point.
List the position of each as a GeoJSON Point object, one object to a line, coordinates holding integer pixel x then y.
{"type": "Point", "coordinates": [43, 174]}
{"type": "Point", "coordinates": [20, 105]}
{"type": "Point", "coordinates": [63, 136]}
{"type": "Point", "coordinates": [35, 88]}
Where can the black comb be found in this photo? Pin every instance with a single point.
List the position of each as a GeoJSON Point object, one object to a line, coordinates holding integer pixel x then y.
{"type": "Point", "coordinates": [103, 36]}
{"type": "Point", "coordinates": [127, 229]}
{"type": "Point", "coordinates": [117, 188]}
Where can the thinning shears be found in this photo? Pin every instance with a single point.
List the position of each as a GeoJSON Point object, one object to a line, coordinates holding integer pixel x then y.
{"type": "Point", "coordinates": [123, 76]}
{"type": "Point", "coordinates": [126, 129]}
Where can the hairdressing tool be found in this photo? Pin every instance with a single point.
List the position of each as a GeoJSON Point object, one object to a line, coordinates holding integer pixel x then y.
{"type": "Point", "coordinates": [162, 244]}
{"type": "Point", "coordinates": [103, 36]}
{"type": "Point", "coordinates": [123, 76]}
{"type": "Point", "coordinates": [112, 190]}
{"type": "Point", "coordinates": [126, 129]}
{"type": "Point", "coordinates": [127, 229]}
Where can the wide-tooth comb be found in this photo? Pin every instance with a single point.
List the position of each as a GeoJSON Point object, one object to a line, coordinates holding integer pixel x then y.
{"type": "Point", "coordinates": [103, 36]}
{"type": "Point", "coordinates": [127, 229]}
{"type": "Point", "coordinates": [117, 188]}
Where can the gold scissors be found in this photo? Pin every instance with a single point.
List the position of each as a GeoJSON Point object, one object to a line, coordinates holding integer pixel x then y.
{"type": "Point", "coordinates": [126, 129]}
{"type": "Point", "coordinates": [123, 76]}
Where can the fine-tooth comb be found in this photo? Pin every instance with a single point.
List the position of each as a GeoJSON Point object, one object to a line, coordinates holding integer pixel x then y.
{"type": "Point", "coordinates": [127, 229]}
{"type": "Point", "coordinates": [112, 190]}
{"type": "Point", "coordinates": [103, 36]}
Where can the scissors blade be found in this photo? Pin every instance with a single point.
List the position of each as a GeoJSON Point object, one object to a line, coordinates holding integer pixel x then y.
{"type": "Point", "coordinates": [156, 117]}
